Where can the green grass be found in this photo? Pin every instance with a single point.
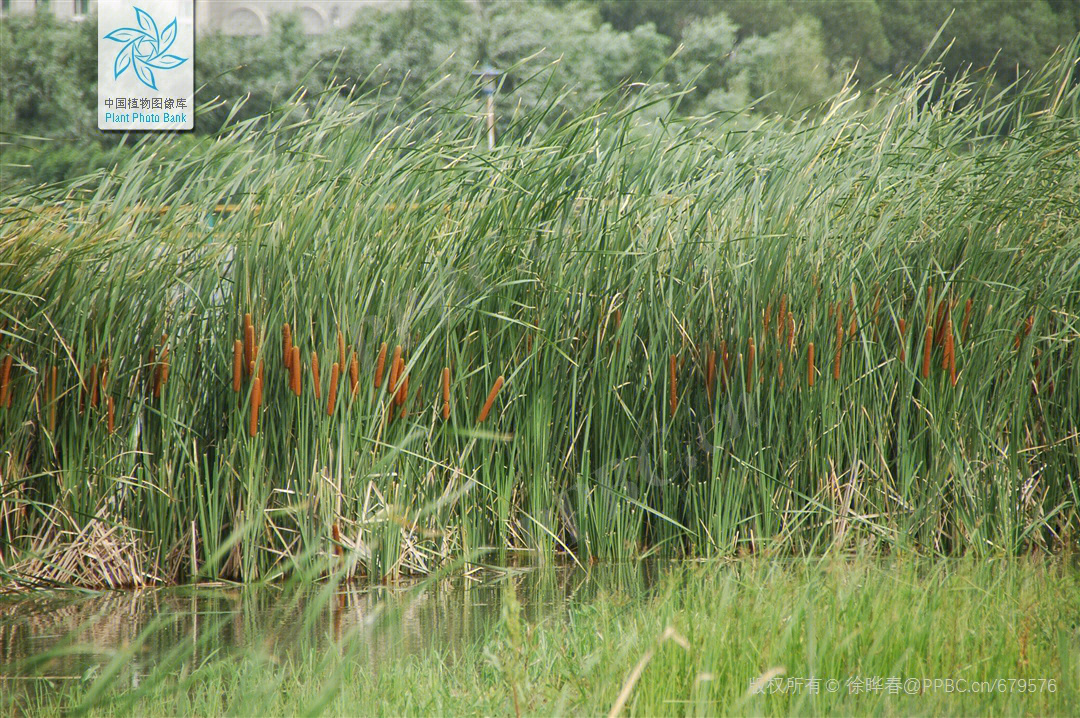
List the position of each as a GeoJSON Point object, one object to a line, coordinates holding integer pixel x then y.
{"type": "Point", "coordinates": [574, 260]}
{"type": "Point", "coordinates": [702, 635]}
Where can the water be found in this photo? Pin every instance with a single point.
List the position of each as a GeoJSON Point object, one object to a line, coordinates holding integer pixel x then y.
{"type": "Point", "coordinates": [49, 640]}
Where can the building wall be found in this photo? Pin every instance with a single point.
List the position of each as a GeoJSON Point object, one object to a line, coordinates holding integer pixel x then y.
{"type": "Point", "coordinates": [232, 17]}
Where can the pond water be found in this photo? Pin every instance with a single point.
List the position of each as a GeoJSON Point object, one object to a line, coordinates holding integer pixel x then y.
{"type": "Point", "coordinates": [48, 640]}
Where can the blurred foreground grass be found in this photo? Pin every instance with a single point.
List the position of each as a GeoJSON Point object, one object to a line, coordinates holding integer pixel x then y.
{"type": "Point", "coordinates": [693, 643]}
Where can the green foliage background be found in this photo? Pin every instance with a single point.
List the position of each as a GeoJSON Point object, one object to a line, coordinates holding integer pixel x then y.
{"type": "Point", "coordinates": [778, 56]}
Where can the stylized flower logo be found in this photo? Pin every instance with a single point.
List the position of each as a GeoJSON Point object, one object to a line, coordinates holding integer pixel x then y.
{"type": "Point", "coordinates": [145, 48]}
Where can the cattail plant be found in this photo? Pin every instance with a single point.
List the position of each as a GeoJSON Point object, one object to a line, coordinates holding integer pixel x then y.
{"type": "Point", "coordinates": [1024, 331]}
{"type": "Point", "coordinates": [749, 364]}
{"type": "Point", "coordinates": [395, 369]}
{"type": "Point", "coordinates": [710, 375]}
{"type": "Point", "coordinates": [331, 392]}
{"type": "Point", "coordinates": [354, 373]}
{"type": "Point", "coordinates": [490, 400]}
{"type": "Point", "coordinates": [950, 352]}
{"type": "Point", "coordinates": [256, 402]}
{"type": "Point", "coordinates": [315, 375]}
{"type": "Point", "coordinates": [296, 382]}
{"type": "Point", "coordinates": [781, 317]}
{"type": "Point", "coordinates": [341, 349]}
{"type": "Point", "coordinates": [94, 385]}
{"type": "Point", "coordinates": [286, 344]}
{"type": "Point", "coordinates": [765, 322]}
{"type": "Point", "coordinates": [162, 369]}
{"type": "Point", "coordinates": [380, 365]}
{"type": "Point", "coordinates": [5, 381]}
{"type": "Point", "coordinates": [403, 391]}
{"type": "Point", "coordinates": [726, 359]}
{"type": "Point", "coordinates": [446, 393]}
{"type": "Point", "coordinates": [237, 364]}
{"type": "Point", "coordinates": [928, 345]}
{"type": "Point", "coordinates": [902, 328]}
{"type": "Point", "coordinates": [673, 384]}
{"type": "Point", "coordinates": [810, 364]}
{"type": "Point", "coordinates": [966, 321]}
{"type": "Point", "coordinates": [249, 341]}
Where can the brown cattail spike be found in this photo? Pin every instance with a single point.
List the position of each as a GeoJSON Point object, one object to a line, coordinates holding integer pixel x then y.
{"type": "Point", "coordinates": [331, 392]}
{"type": "Point", "coordinates": [749, 363]}
{"type": "Point", "coordinates": [354, 373]}
{"type": "Point", "coordinates": [947, 342]}
{"type": "Point", "coordinates": [395, 369]}
{"type": "Point", "coordinates": [928, 344]}
{"type": "Point", "coordinates": [286, 344]}
{"type": "Point", "coordinates": [295, 378]}
{"type": "Point", "coordinates": [403, 391]}
{"type": "Point", "coordinates": [380, 365]}
{"type": "Point", "coordinates": [781, 317]}
{"type": "Point", "coordinates": [163, 371]}
{"type": "Point", "coordinates": [315, 375]}
{"type": "Point", "coordinates": [94, 386]}
{"type": "Point", "coordinates": [256, 402]}
{"type": "Point", "coordinates": [810, 364]}
{"type": "Point", "coordinates": [673, 399]}
{"type": "Point", "coordinates": [237, 364]}
{"type": "Point", "coordinates": [490, 400]}
{"type": "Point", "coordinates": [902, 326]}
{"type": "Point", "coordinates": [341, 349]}
{"type": "Point", "coordinates": [5, 381]}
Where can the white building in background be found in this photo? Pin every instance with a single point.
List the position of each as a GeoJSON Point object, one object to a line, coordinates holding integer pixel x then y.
{"type": "Point", "coordinates": [232, 17]}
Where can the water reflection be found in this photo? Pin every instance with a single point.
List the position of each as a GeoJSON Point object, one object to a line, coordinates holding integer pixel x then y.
{"type": "Point", "coordinates": [50, 639]}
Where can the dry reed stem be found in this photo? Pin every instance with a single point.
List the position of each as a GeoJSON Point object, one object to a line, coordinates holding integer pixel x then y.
{"type": "Point", "coordinates": [380, 365]}
{"type": "Point", "coordinates": [810, 364]}
{"type": "Point", "coordinates": [749, 364]}
{"type": "Point", "coordinates": [315, 375]}
{"type": "Point", "coordinates": [490, 399]}
{"type": "Point", "coordinates": [791, 333]}
{"type": "Point", "coordinates": [296, 382]}
{"type": "Point", "coordinates": [673, 399]}
{"type": "Point", "coordinates": [256, 401]}
{"type": "Point", "coordinates": [354, 373]}
{"type": "Point", "coordinates": [249, 341]}
{"type": "Point", "coordinates": [331, 393]}
{"type": "Point", "coordinates": [928, 344]}
{"type": "Point", "coordinates": [237, 364]}
{"type": "Point", "coordinates": [286, 344]}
